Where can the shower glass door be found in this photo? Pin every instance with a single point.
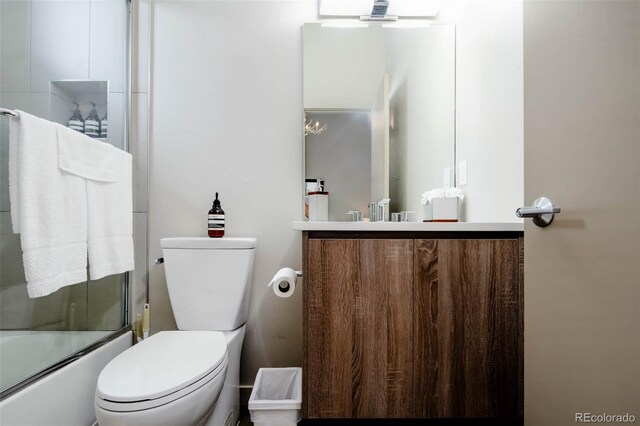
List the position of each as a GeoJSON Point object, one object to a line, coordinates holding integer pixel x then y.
{"type": "Point", "coordinates": [55, 55]}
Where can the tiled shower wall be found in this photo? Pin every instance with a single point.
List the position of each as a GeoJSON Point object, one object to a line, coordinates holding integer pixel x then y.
{"type": "Point", "coordinates": [40, 41]}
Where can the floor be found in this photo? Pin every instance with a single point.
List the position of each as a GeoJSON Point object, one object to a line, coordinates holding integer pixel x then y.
{"type": "Point", "coordinates": [244, 417]}
{"type": "Point", "coordinates": [246, 421]}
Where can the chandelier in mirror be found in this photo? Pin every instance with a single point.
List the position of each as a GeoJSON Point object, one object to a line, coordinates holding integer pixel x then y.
{"type": "Point", "coordinates": [311, 128]}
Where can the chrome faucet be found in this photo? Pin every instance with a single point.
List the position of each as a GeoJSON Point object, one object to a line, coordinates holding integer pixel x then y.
{"type": "Point", "coordinates": [356, 215]}
{"type": "Point", "coordinates": [383, 209]}
{"type": "Point", "coordinates": [379, 210]}
{"type": "Point", "coordinates": [373, 211]}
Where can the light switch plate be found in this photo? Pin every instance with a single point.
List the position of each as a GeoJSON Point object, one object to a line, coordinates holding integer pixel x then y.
{"type": "Point", "coordinates": [462, 173]}
{"type": "Point", "coordinates": [446, 178]}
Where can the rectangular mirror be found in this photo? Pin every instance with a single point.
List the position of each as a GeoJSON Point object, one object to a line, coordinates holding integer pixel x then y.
{"type": "Point", "coordinates": [379, 104]}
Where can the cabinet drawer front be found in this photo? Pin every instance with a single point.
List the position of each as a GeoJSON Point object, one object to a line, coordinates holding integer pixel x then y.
{"type": "Point", "coordinates": [467, 299]}
{"type": "Point", "coordinates": [358, 342]}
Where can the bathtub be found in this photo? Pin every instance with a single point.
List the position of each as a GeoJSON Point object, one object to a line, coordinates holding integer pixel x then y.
{"type": "Point", "coordinates": [65, 395]}
{"type": "Point", "coordinates": [22, 353]}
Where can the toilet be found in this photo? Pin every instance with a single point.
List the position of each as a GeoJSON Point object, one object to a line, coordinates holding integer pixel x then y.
{"type": "Point", "coordinates": [189, 376]}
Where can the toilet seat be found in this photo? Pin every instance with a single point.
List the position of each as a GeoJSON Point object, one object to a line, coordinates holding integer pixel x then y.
{"type": "Point", "coordinates": [162, 369]}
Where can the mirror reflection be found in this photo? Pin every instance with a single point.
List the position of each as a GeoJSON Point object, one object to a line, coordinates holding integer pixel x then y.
{"type": "Point", "coordinates": [379, 106]}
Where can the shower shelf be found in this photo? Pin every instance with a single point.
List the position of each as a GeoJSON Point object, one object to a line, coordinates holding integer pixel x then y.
{"type": "Point", "coordinates": [64, 93]}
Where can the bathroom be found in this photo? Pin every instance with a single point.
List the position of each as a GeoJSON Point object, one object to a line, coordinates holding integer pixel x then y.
{"type": "Point", "coordinates": [526, 99]}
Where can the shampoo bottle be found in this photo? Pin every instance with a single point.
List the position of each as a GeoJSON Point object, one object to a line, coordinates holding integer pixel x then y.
{"type": "Point", "coordinates": [76, 122]}
{"type": "Point", "coordinates": [216, 220]}
{"type": "Point", "coordinates": [104, 127]}
{"type": "Point", "coordinates": [92, 123]}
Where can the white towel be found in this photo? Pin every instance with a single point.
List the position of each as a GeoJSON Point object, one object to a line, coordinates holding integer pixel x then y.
{"type": "Point", "coordinates": [108, 174]}
{"type": "Point", "coordinates": [48, 208]}
{"type": "Point", "coordinates": [88, 158]}
{"type": "Point", "coordinates": [69, 195]}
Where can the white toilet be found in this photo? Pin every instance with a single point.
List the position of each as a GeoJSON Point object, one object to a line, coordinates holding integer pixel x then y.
{"type": "Point", "coordinates": [189, 376]}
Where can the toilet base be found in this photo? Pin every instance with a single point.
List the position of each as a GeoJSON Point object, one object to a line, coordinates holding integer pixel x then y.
{"type": "Point", "coordinates": [227, 409]}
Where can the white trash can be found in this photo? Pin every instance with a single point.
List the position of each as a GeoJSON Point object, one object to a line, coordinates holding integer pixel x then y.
{"type": "Point", "coordinates": [276, 398]}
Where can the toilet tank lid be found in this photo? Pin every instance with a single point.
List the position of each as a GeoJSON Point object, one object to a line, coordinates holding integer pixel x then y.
{"type": "Point", "coordinates": [207, 243]}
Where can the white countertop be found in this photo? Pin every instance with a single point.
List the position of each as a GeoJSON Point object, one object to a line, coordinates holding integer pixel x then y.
{"type": "Point", "coordinates": [408, 226]}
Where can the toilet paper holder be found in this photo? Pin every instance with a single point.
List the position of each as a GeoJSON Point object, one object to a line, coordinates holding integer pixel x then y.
{"type": "Point", "coordinates": [284, 282]}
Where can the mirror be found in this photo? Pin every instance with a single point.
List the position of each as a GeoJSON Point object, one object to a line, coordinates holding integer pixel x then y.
{"type": "Point", "coordinates": [379, 103]}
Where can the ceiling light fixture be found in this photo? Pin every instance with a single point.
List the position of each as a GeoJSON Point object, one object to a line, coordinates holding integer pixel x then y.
{"type": "Point", "coordinates": [402, 8]}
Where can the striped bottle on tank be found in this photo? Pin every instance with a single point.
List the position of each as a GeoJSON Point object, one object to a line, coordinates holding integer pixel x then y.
{"type": "Point", "coordinates": [216, 220]}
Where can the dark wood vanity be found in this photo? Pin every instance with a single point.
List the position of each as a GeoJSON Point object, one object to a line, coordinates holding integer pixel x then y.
{"type": "Point", "coordinates": [413, 324]}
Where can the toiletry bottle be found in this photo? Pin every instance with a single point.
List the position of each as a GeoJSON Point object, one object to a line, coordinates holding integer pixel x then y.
{"type": "Point", "coordinates": [92, 123]}
{"type": "Point", "coordinates": [104, 127]}
{"type": "Point", "coordinates": [76, 122]}
{"type": "Point", "coordinates": [216, 219]}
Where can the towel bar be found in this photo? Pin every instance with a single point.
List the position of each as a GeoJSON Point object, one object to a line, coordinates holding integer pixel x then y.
{"type": "Point", "coordinates": [4, 111]}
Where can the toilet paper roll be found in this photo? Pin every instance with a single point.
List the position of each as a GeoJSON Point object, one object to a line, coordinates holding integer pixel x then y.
{"type": "Point", "coordinates": [283, 283]}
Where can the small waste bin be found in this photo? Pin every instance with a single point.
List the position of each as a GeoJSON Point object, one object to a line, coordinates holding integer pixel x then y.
{"type": "Point", "coordinates": [276, 397]}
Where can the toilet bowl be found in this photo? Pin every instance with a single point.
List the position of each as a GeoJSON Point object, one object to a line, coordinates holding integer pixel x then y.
{"type": "Point", "coordinates": [174, 377]}
{"type": "Point", "coordinates": [189, 376]}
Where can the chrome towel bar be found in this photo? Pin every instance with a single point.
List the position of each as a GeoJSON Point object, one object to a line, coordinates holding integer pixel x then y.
{"type": "Point", "coordinates": [9, 112]}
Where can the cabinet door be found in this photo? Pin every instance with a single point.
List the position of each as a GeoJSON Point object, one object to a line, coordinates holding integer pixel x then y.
{"type": "Point", "coordinates": [467, 328]}
{"type": "Point", "coordinates": [359, 325]}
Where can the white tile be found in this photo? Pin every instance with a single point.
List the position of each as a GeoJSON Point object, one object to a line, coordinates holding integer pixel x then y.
{"type": "Point", "coordinates": [60, 109]}
{"type": "Point", "coordinates": [39, 105]}
{"type": "Point", "coordinates": [66, 309]}
{"type": "Point", "coordinates": [107, 43]}
{"type": "Point", "coordinates": [14, 303]}
{"type": "Point", "coordinates": [105, 303]}
{"type": "Point", "coordinates": [139, 277]}
{"type": "Point", "coordinates": [59, 42]}
{"type": "Point", "coordinates": [12, 101]}
{"type": "Point", "coordinates": [116, 120]}
{"type": "Point", "coordinates": [15, 26]}
{"type": "Point", "coordinates": [13, 287]}
{"type": "Point", "coordinates": [139, 149]}
{"type": "Point", "coordinates": [140, 46]}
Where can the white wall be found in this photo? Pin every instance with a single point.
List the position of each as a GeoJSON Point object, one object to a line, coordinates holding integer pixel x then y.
{"type": "Point", "coordinates": [344, 68]}
{"type": "Point", "coordinates": [421, 65]}
{"type": "Point", "coordinates": [489, 105]}
{"type": "Point", "coordinates": [227, 116]}
{"type": "Point", "coordinates": [227, 96]}
{"type": "Point", "coordinates": [380, 141]}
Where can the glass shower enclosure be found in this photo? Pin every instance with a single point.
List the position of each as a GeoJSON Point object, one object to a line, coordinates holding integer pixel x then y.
{"type": "Point", "coordinates": [57, 57]}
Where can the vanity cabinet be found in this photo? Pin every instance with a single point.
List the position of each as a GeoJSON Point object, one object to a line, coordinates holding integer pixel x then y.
{"type": "Point", "coordinates": [424, 325]}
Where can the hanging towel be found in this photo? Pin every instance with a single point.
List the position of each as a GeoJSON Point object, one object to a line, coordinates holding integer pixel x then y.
{"type": "Point", "coordinates": [55, 173]}
{"type": "Point", "coordinates": [108, 174]}
{"type": "Point", "coordinates": [88, 158]}
{"type": "Point", "coordinates": [48, 208]}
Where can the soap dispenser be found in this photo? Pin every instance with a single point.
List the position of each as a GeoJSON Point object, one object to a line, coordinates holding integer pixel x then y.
{"type": "Point", "coordinates": [216, 219]}
{"type": "Point", "coordinates": [104, 127]}
{"type": "Point", "coordinates": [92, 123]}
{"type": "Point", "coordinates": [76, 122]}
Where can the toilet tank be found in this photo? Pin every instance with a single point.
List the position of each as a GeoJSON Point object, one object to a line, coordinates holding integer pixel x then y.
{"type": "Point", "coordinates": [209, 281]}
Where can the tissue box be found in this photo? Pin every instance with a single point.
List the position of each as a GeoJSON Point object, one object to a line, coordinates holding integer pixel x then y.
{"type": "Point", "coordinates": [445, 209]}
